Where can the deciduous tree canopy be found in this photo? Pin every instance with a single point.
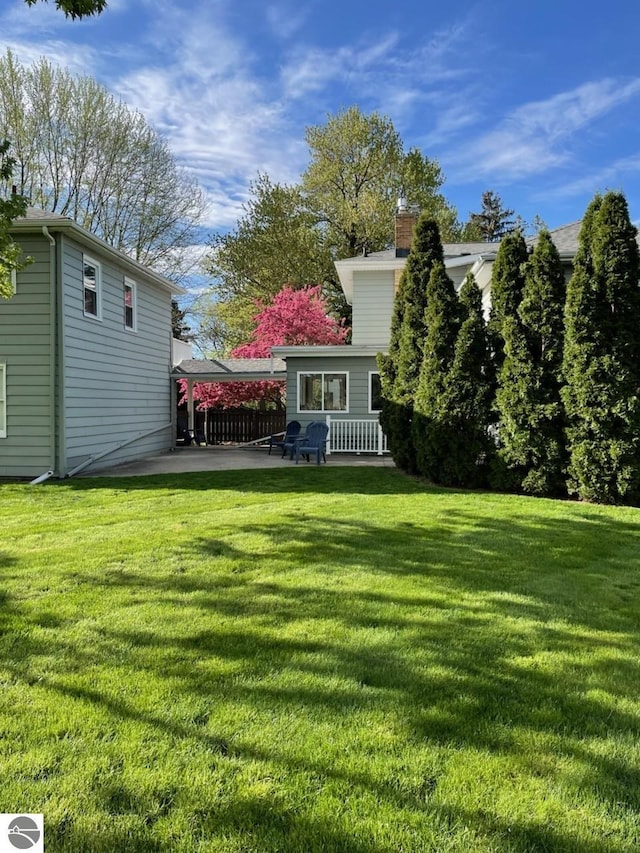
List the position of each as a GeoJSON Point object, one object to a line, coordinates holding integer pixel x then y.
{"type": "Point", "coordinates": [11, 207]}
{"type": "Point", "coordinates": [295, 317]}
{"type": "Point", "coordinates": [82, 153]}
{"type": "Point", "coordinates": [343, 205]}
{"type": "Point", "coordinates": [76, 8]}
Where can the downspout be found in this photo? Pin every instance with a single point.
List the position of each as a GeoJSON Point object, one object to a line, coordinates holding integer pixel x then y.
{"type": "Point", "coordinates": [191, 417]}
{"type": "Point", "coordinates": [122, 444]}
{"type": "Point", "coordinates": [53, 341]}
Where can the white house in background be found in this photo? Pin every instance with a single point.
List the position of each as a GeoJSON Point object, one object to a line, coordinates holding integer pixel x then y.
{"type": "Point", "coordinates": [85, 355]}
{"type": "Point", "coordinates": [341, 383]}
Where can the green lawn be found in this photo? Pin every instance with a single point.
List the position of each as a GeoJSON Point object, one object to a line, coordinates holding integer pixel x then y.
{"type": "Point", "coordinates": [318, 659]}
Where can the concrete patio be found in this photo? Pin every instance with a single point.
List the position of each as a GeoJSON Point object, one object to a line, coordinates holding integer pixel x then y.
{"type": "Point", "coordinates": [226, 458]}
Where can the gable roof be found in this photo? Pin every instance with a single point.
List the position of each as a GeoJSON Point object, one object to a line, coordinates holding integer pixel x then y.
{"type": "Point", "coordinates": [455, 255]}
{"type": "Point", "coordinates": [37, 220]}
{"type": "Point", "coordinates": [230, 369]}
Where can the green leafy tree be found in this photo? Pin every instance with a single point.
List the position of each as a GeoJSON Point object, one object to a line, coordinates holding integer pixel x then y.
{"type": "Point", "coordinates": [430, 427]}
{"type": "Point", "coordinates": [344, 205]}
{"type": "Point", "coordinates": [528, 399]}
{"type": "Point", "coordinates": [12, 206]}
{"type": "Point", "coordinates": [399, 370]}
{"type": "Point", "coordinates": [347, 182]}
{"type": "Point", "coordinates": [76, 8]}
{"type": "Point", "coordinates": [358, 168]}
{"type": "Point", "coordinates": [602, 357]}
{"type": "Point", "coordinates": [421, 179]}
{"type": "Point", "coordinates": [494, 221]}
{"type": "Point", "coordinates": [275, 243]}
{"type": "Point", "coordinates": [81, 153]}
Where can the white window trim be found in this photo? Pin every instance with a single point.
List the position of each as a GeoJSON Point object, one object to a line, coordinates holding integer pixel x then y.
{"type": "Point", "coordinates": [14, 281]}
{"type": "Point", "coordinates": [129, 282]}
{"type": "Point", "coordinates": [98, 268]}
{"type": "Point", "coordinates": [322, 373]}
{"type": "Point", "coordinates": [3, 400]}
{"type": "Point", "coordinates": [372, 411]}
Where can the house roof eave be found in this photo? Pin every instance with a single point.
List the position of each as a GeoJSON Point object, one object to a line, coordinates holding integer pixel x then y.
{"type": "Point", "coordinates": [62, 224]}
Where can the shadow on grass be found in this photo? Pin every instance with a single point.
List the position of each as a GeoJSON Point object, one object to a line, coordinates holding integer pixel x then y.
{"type": "Point", "coordinates": [501, 634]}
{"type": "Point", "coordinates": [302, 480]}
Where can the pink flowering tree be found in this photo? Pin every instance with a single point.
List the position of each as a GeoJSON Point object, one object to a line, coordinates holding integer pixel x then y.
{"type": "Point", "coordinates": [294, 318]}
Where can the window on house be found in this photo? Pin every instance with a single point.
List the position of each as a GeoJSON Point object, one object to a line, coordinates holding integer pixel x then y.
{"type": "Point", "coordinates": [92, 288]}
{"type": "Point", "coordinates": [322, 392]}
{"type": "Point", "coordinates": [3, 400]}
{"type": "Point", "coordinates": [375, 392]}
{"type": "Point", "coordinates": [130, 307]}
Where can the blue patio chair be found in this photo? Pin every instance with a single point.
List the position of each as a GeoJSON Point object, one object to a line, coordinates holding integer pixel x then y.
{"type": "Point", "coordinates": [313, 442]}
{"type": "Point", "coordinates": [291, 443]}
{"type": "Point", "coordinates": [292, 430]}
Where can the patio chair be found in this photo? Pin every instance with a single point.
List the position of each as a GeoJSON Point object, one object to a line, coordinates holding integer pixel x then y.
{"type": "Point", "coordinates": [313, 442]}
{"type": "Point", "coordinates": [292, 430]}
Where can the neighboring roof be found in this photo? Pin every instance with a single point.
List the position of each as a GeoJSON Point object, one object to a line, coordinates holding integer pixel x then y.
{"type": "Point", "coordinates": [230, 369]}
{"type": "Point", "coordinates": [564, 238]}
{"type": "Point", "coordinates": [328, 350]}
{"type": "Point", "coordinates": [35, 219]}
{"type": "Point", "coordinates": [451, 250]}
{"type": "Point", "coordinates": [455, 254]}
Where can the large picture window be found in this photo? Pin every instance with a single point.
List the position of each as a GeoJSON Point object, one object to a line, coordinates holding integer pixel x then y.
{"type": "Point", "coordinates": [91, 288]}
{"type": "Point", "coordinates": [375, 392]}
{"type": "Point", "coordinates": [3, 400]}
{"type": "Point", "coordinates": [322, 392]}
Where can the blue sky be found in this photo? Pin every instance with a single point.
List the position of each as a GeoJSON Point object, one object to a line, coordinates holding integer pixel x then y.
{"type": "Point", "coordinates": [538, 102]}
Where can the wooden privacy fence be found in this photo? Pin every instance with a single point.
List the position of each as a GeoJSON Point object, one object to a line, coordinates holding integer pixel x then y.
{"type": "Point", "coordinates": [237, 426]}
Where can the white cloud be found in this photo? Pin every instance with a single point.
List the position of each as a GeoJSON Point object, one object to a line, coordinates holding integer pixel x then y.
{"type": "Point", "coordinates": [286, 19]}
{"type": "Point", "coordinates": [612, 176]}
{"type": "Point", "coordinates": [537, 136]}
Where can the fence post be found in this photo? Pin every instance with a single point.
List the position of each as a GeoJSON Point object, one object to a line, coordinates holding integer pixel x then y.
{"type": "Point", "coordinates": [329, 435]}
{"type": "Point", "coordinates": [380, 439]}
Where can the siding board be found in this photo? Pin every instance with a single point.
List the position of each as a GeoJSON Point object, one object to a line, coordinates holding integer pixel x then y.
{"type": "Point", "coordinates": [25, 347]}
{"type": "Point", "coordinates": [116, 381]}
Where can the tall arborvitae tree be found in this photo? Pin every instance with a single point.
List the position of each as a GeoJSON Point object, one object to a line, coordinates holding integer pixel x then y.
{"type": "Point", "coordinates": [507, 284]}
{"type": "Point", "coordinates": [531, 414]}
{"type": "Point", "coordinates": [602, 357]}
{"type": "Point", "coordinates": [399, 369]}
{"type": "Point", "coordinates": [430, 428]}
{"type": "Point", "coordinates": [465, 406]}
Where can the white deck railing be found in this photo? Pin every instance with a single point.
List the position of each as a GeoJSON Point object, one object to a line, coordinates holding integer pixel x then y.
{"type": "Point", "coordinates": [355, 436]}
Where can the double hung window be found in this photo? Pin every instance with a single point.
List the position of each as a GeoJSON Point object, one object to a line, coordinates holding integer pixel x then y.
{"type": "Point", "coordinates": [375, 392]}
{"type": "Point", "coordinates": [92, 288]}
{"type": "Point", "coordinates": [323, 392]}
{"type": "Point", "coordinates": [130, 307]}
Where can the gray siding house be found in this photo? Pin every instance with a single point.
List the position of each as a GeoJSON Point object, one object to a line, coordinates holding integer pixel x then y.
{"type": "Point", "coordinates": [85, 355]}
{"type": "Point", "coordinates": [341, 384]}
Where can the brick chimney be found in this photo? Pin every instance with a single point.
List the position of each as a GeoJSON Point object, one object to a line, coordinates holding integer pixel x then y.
{"type": "Point", "coordinates": [406, 219]}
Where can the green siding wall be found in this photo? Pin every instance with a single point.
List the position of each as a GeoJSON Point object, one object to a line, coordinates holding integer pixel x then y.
{"type": "Point", "coordinates": [25, 347]}
{"type": "Point", "coordinates": [358, 369]}
{"type": "Point", "coordinates": [373, 295]}
{"type": "Point", "coordinates": [116, 380]}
